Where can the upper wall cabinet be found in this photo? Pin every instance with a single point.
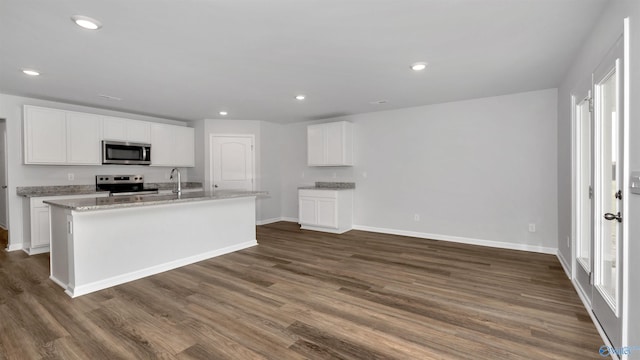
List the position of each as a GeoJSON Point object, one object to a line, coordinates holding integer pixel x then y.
{"type": "Point", "coordinates": [84, 132]}
{"type": "Point", "coordinates": [58, 137]}
{"type": "Point", "coordinates": [120, 129]}
{"type": "Point", "coordinates": [330, 144]}
{"type": "Point", "coordinates": [172, 145]}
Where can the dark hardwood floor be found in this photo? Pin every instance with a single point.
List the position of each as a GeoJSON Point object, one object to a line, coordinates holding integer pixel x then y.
{"type": "Point", "coordinates": [308, 295]}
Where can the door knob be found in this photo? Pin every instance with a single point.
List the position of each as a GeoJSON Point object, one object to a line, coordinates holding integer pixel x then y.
{"type": "Point", "coordinates": [215, 186]}
{"type": "Point", "coordinates": [610, 216]}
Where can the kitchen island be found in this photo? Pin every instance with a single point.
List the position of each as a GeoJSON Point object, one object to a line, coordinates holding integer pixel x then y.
{"type": "Point", "coordinates": [97, 243]}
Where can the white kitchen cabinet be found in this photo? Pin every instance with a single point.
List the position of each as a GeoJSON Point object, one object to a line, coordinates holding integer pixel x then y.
{"type": "Point", "coordinates": [45, 136]}
{"type": "Point", "coordinates": [84, 132]}
{"type": "Point", "coordinates": [128, 130]}
{"type": "Point", "coordinates": [325, 210]}
{"type": "Point", "coordinates": [185, 146]}
{"type": "Point", "coordinates": [330, 144]}
{"type": "Point", "coordinates": [36, 223]}
{"type": "Point", "coordinates": [172, 145]}
{"type": "Point", "coordinates": [58, 137]}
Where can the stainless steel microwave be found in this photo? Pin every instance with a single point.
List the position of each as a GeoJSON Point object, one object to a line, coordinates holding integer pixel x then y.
{"type": "Point", "coordinates": [125, 153]}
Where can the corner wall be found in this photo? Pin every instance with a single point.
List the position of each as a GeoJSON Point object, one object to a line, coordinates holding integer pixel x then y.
{"type": "Point", "coordinates": [476, 171]}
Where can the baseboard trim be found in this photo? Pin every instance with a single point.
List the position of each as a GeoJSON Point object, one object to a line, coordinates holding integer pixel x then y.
{"type": "Point", "coordinates": [458, 239]}
{"type": "Point", "coordinates": [565, 265]}
{"type": "Point", "coordinates": [38, 250]}
{"type": "Point", "coordinates": [323, 229]}
{"type": "Point", "coordinates": [274, 220]}
{"type": "Point", "coordinates": [14, 247]}
{"type": "Point", "coordinates": [75, 291]}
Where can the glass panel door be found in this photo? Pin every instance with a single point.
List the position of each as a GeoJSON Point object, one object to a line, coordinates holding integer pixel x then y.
{"type": "Point", "coordinates": [607, 250]}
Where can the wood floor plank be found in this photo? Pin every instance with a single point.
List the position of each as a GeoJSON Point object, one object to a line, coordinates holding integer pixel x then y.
{"type": "Point", "coordinates": [308, 295]}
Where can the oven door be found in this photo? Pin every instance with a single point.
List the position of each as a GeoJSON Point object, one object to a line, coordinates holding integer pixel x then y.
{"type": "Point", "coordinates": [125, 153]}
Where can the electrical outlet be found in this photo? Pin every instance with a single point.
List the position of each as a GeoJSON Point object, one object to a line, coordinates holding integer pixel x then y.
{"type": "Point", "coordinates": [335, 175]}
{"type": "Point", "coordinates": [364, 174]}
{"type": "Point", "coordinates": [416, 217]}
{"type": "Point", "coordinates": [302, 176]}
{"type": "Point", "coordinates": [532, 228]}
{"type": "Point", "coordinates": [71, 176]}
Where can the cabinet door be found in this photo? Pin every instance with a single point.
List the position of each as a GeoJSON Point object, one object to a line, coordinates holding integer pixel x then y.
{"type": "Point", "coordinates": [45, 136]}
{"type": "Point", "coordinates": [40, 227]}
{"type": "Point", "coordinates": [184, 146]}
{"type": "Point", "coordinates": [327, 214]}
{"type": "Point", "coordinates": [307, 211]}
{"type": "Point", "coordinates": [137, 131]}
{"type": "Point", "coordinates": [84, 132]}
{"type": "Point", "coordinates": [113, 129]}
{"type": "Point", "coordinates": [162, 145]}
{"type": "Point", "coordinates": [334, 142]}
{"type": "Point", "coordinates": [316, 145]}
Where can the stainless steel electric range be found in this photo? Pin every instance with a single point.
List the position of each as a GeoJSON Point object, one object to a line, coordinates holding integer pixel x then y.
{"type": "Point", "coordinates": [123, 185]}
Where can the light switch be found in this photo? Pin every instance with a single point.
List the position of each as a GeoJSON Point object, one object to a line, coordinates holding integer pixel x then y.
{"type": "Point", "coordinates": [634, 183]}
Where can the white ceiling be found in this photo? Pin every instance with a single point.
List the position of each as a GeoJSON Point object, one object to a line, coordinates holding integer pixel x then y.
{"type": "Point", "coordinates": [190, 59]}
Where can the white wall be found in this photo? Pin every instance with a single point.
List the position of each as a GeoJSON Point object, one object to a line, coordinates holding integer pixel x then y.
{"type": "Point", "coordinates": [19, 174]}
{"type": "Point", "coordinates": [599, 42]}
{"type": "Point", "coordinates": [479, 170]}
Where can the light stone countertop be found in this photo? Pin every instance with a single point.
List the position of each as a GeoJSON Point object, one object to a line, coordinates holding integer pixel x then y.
{"type": "Point", "coordinates": [66, 190]}
{"type": "Point", "coordinates": [326, 185]}
{"type": "Point", "coordinates": [60, 190]}
{"type": "Point", "coordinates": [116, 202]}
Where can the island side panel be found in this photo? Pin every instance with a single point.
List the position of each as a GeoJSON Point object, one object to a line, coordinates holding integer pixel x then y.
{"type": "Point", "coordinates": [59, 251]}
{"type": "Point", "coordinates": [114, 246]}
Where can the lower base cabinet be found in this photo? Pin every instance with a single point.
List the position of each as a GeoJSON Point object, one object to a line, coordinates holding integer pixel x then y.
{"type": "Point", "coordinates": [37, 228]}
{"type": "Point", "coordinates": [325, 210]}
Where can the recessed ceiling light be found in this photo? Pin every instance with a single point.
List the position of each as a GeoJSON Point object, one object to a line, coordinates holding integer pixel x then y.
{"type": "Point", "coordinates": [223, 113]}
{"type": "Point", "coordinates": [378, 102]}
{"type": "Point", "coordinates": [419, 66]}
{"type": "Point", "coordinates": [86, 22]}
{"type": "Point", "coordinates": [300, 97]}
{"type": "Point", "coordinates": [30, 72]}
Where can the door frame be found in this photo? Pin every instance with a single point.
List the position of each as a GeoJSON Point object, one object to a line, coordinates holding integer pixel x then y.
{"type": "Point", "coordinates": [211, 157]}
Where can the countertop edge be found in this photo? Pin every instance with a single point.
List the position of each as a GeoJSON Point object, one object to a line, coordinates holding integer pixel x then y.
{"type": "Point", "coordinates": [323, 188]}
{"type": "Point", "coordinates": [61, 194]}
{"type": "Point", "coordinates": [149, 201]}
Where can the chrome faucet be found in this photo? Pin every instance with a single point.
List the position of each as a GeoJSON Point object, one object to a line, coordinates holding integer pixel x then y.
{"type": "Point", "coordinates": [178, 189]}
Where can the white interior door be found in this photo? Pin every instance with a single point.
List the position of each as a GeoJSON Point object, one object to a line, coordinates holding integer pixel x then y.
{"type": "Point", "coordinates": [607, 276]}
{"type": "Point", "coordinates": [232, 162]}
{"type": "Point", "coordinates": [584, 187]}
